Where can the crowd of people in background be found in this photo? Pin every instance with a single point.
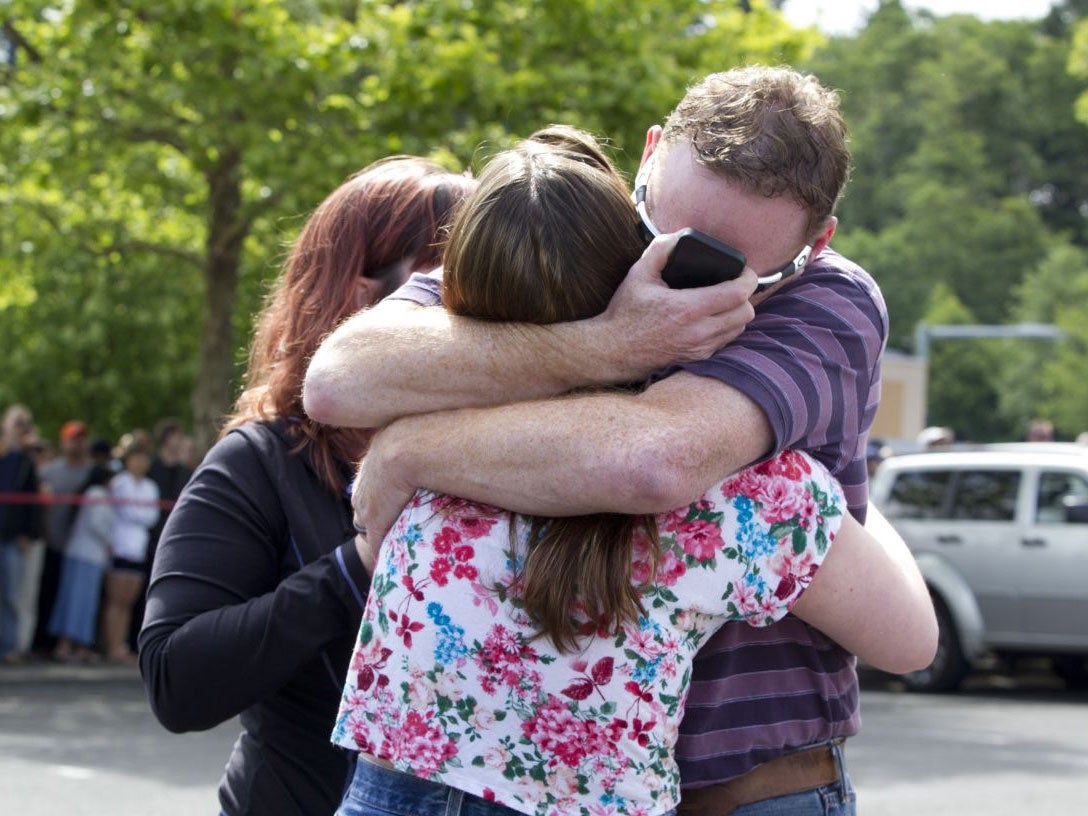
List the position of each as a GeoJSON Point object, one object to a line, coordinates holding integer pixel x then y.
{"type": "Point", "coordinates": [79, 521]}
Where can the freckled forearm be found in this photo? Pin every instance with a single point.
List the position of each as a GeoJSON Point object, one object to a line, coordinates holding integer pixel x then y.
{"type": "Point", "coordinates": [401, 360]}
{"type": "Point", "coordinates": [600, 452]}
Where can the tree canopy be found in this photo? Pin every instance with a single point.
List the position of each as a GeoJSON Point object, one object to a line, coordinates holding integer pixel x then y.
{"type": "Point", "coordinates": [970, 180]}
{"type": "Point", "coordinates": [156, 158]}
{"type": "Point", "coordinates": [157, 154]}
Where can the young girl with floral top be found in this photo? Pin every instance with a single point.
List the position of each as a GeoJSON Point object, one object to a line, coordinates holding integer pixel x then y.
{"type": "Point", "coordinates": [510, 664]}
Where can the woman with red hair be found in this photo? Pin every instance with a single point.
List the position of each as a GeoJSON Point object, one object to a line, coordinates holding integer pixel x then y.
{"type": "Point", "coordinates": [257, 587]}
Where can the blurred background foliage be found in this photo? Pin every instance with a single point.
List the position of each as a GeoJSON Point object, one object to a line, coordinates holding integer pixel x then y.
{"type": "Point", "coordinates": [157, 156]}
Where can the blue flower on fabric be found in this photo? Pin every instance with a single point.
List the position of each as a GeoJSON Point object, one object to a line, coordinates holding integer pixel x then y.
{"type": "Point", "coordinates": [390, 566]}
{"type": "Point", "coordinates": [435, 613]}
{"type": "Point", "coordinates": [450, 641]}
{"type": "Point", "coordinates": [747, 528]}
{"type": "Point", "coordinates": [647, 625]}
{"type": "Point", "coordinates": [756, 582]}
{"type": "Point", "coordinates": [745, 508]}
{"type": "Point", "coordinates": [612, 799]}
{"type": "Point", "coordinates": [647, 672]}
{"type": "Point", "coordinates": [760, 544]}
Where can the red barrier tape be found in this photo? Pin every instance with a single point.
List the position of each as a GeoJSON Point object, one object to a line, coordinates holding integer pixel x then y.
{"type": "Point", "coordinates": [76, 498]}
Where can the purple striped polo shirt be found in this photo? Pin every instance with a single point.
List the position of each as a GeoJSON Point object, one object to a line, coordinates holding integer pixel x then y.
{"type": "Point", "coordinates": [811, 359]}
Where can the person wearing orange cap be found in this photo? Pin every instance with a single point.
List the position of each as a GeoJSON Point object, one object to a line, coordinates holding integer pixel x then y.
{"type": "Point", "coordinates": [63, 478]}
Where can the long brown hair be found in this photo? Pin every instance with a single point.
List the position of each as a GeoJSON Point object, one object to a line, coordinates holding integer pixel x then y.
{"type": "Point", "coordinates": [393, 211]}
{"type": "Point", "coordinates": [548, 236]}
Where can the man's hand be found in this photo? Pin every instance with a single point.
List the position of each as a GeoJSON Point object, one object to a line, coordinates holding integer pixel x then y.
{"type": "Point", "coordinates": [377, 495]}
{"type": "Point", "coordinates": [648, 325]}
{"type": "Point", "coordinates": [408, 359]}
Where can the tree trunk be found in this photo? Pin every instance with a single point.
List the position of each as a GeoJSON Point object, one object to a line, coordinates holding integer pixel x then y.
{"type": "Point", "coordinates": [226, 234]}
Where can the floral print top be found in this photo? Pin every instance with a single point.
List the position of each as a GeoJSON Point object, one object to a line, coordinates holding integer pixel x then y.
{"type": "Point", "coordinates": [448, 682]}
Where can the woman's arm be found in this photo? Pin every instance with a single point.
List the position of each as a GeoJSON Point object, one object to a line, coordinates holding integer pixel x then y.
{"type": "Point", "coordinates": [222, 630]}
{"type": "Point", "coordinates": [869, 596]}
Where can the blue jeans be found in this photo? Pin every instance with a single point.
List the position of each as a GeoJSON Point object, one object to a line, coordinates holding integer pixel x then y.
{"type": "Point", "coordinates": [378, 791]}
{"type": "Point", "coordinates": [11, 579]}
{"type": "Point", "coordinates": [838, 799]}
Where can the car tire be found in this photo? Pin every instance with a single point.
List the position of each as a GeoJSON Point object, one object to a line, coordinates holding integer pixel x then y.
{"type": "Point", "coordinates": [949, 666]}
{"type": "Point", "coordinates": [1073, 670]}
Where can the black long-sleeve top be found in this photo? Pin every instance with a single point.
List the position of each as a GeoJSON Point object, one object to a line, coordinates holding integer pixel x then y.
{"type": "Point", "coordinates": [254, 602]}
{"type": "Point", "coordinates": [17, 475]}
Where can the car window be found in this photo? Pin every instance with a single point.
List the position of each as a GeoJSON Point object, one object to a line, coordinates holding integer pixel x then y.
{"type": "Point", "coordinates": [918, 494]}
{"type": "Point", "coordinates": [1054, 488]}
{"type": "Point", "coordinates": [986, 495]}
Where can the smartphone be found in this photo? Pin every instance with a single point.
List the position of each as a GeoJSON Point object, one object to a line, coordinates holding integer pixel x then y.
{"type": "Point", "coordinates": [699, 260]}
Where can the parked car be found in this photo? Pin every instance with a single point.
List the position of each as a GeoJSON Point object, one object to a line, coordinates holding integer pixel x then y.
{"type": "Point", "coordinates": [1001, 535]}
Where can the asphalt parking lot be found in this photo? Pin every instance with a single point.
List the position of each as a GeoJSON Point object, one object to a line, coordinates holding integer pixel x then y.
{"type": "Point", "coordinates": [83, 741]}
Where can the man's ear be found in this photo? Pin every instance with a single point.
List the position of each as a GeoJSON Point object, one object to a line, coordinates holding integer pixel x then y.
{"type": "Point", "coordinates": [367, 291]}
{"type": "Point", "coordinates": [824, 237]}
{"type": "Point", "coordinates": [653, 139]}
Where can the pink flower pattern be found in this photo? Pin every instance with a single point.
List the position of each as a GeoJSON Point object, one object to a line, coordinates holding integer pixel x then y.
{"type": "Point", "coordinates": [466, 693]}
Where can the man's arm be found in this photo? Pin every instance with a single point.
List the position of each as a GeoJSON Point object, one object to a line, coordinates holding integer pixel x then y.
{"type": "Point", "coordinates": [605, 451]}
{"type": "Point", "coordinates": [400, 358]}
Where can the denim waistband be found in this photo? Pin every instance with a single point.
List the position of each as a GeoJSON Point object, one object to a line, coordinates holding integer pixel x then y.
{"type": "Point", "coordinates": [402, 793]}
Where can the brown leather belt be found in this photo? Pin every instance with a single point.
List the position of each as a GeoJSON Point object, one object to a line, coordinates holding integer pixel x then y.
{"type": "Point", "coordinates": [790, 773]}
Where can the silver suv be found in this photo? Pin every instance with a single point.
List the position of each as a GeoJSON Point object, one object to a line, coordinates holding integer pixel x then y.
{"type": "Point", "coordinates": [1000, 533]}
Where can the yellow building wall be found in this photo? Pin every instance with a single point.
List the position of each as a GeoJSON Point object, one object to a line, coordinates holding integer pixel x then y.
{"type": "Point", "coordinates": [902, 410]}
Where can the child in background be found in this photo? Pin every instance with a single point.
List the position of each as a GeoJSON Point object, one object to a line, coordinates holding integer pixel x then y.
{"type": "Point", "coordinates": [86, 557]}
{"type": "Point", "coordinates": [136, 509]}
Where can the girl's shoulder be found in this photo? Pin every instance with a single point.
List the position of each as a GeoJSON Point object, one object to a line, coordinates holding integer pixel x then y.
{"type": "Point", "coordinates": [790, 472]}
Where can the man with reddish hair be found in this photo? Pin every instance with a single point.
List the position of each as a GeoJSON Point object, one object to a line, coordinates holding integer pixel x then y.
{"type": "Point", "coordinates": [756, 158]}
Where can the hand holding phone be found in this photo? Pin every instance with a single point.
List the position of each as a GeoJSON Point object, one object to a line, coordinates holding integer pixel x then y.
{"type": "Point", "coordinates": [699, 260]}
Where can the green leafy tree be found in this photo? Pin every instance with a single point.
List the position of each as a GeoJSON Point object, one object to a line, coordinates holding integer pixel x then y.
{"type": "Point", "coordinates": [945, 239]}
{"type": "Point", "coordinates": [154, 153]}
{"type": "Point", "coordinates": [1030, 383]}
{"type": "Point", "coordinates": [1065, 373]}
{"type": "Point", "coordinates": [1047, 377]}
{"type": "Point", "coordinates": [968, 159]}
{"type": "Point", "coordinates": [961, 388]}
{"type": "Point", "coordinates": [146, 144]}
